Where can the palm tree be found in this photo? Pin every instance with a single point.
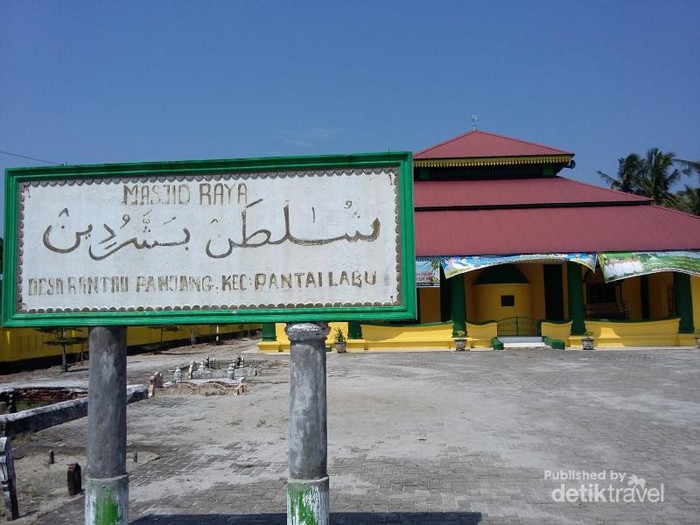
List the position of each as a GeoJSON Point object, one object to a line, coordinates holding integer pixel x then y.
{"type": "Point", "coordinates": [656, 178]}
{"type": "Point", "coordinates": [688, 167]}
{"type": "Point", "coordinates": [689, 200]}
{"type": "Point", "coordinates": [628, 174]}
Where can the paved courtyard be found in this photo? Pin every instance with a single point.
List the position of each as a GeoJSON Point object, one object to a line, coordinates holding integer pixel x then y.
{"type": "Point", "coordinates": [420, 438]}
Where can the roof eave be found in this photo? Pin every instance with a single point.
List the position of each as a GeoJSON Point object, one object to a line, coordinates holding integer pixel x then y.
{"type": "Point", "coordinates": [491, 161]}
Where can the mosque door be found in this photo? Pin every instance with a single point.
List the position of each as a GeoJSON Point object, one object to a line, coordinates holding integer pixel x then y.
{"type": "Point", "coordinates": [553, 292]}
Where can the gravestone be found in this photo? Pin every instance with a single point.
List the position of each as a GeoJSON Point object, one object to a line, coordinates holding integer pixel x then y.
{"type": "Point", "coordinates": [75, 479]}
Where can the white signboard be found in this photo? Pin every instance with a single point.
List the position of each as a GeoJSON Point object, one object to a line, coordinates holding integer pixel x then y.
{"type": "Point", "coordinates": [233, 241]}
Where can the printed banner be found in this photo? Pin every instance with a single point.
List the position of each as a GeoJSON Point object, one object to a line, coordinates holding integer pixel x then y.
{"type": "Point", "coordinates": [427, 271]}
{"type": "Point", "coordinates": [620, 265]}
{"type": "Point", "coordinates": [456, 265]}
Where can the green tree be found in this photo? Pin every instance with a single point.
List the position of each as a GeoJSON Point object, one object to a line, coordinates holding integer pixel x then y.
{"type": "Point", "coordinates": [688, 167]}
{"type": "Point", "coordinates": [628, 174]}
{"type": "Point", "coordinates": [658, 176]}
{"type": "Point", "coordinates": [653, 176]}
{"type": "Point", "coordinates": [63, 337]}
{"type": "Point", "coordinates": [689, 200]}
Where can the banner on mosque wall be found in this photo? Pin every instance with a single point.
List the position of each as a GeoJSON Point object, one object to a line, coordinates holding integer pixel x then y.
{"type": "Point", "coordinates": [621, 265]}
{"type": "Point", "coordinates": [427, 271]}
{"type": "Point", "coordinates": [456, 265]}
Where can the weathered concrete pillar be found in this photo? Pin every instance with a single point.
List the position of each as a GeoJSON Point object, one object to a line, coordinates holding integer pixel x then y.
{"type": "Point", "coordinates": [307, 487]}
{"type": "Point", "coordinates": [107, 483]}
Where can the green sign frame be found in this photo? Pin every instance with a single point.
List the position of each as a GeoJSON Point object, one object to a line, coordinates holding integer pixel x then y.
{"type": "Point", "coordinates": [353, 186]}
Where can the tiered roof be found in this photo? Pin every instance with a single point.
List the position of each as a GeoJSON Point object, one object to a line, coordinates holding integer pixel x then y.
{"type": "Point", "coordinates": [479, 148]}
{"type": "Point", "coordinates": [533, 215]}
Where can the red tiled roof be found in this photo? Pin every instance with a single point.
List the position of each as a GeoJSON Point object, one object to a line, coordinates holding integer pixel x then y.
{"type": "Point", "coordinates": [555, 229]}
{"type": "Point", "coordinates": [476, 144]}
{"type": "Point", "coordinates": [535, 215]}
{"type": "Point", "coordinates": [516, 192]}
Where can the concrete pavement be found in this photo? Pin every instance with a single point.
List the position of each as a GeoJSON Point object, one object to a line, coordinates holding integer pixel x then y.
{"type": "Point", "coordinates": [529, 436]}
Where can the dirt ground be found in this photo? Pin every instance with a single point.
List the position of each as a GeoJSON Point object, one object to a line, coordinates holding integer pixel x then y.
{"type": "Point", "coordinates": [42, 486]}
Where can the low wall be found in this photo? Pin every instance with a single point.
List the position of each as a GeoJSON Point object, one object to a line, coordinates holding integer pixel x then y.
{"type": "Point", "coordinates": [41, 395]}
{"type": "Point", "coordinates": [556, 330]}
{"type": "Point", "coordinates": [282, 343]}
{"type": "Point", "coordinates": [34, 420]}
{"type": "Point", "coordinates": [481, 335]}
{"type": "Point", "coordinates": [386, 337]}
{"type": "Point", "coordinates": [607, 334]}
{"type": "Point", "coordinates": [620, 334]}
{"type": "Point", "coordinates": [436, 336]}
{"type": "Point", "coordinates": [39, 418]}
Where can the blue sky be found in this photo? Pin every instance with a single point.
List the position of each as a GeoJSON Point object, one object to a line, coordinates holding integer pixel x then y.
{"type": "Point", "coordinates": [94, 82]}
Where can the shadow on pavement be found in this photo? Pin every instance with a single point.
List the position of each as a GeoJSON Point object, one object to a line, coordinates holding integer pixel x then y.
{"type": "Point", "coordinates": [337, 518]}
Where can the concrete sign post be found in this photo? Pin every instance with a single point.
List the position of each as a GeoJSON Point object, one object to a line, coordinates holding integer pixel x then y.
{"type": "Point", "coordinates": [301, 240]}
{"type": "Point", "coordinates": [308, 487]}
{"type": "Point", "coordinates": [107, 484]}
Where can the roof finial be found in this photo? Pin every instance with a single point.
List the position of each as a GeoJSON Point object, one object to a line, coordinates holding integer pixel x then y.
{"type": "Point", "coordinates": [473, 122]}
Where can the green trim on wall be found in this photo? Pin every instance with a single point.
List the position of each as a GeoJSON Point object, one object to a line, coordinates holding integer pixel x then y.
{"type": "Point", "coordinates": [354, 330]}
{"type": "Point", "coordinates": [574, 281]}
{"type": "Point", "coordinates": [458, 307]}
{"type": "Point", "coordinates": [269, 332]}
{"type": "Point", "coordinates": [684, 302]}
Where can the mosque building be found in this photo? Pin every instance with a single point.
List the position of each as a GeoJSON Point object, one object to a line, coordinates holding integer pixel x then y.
{"type": "Point", "coordinates": [508, 249]}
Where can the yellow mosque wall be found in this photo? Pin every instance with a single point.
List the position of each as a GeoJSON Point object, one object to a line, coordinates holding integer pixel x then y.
{"type": "Point", "coordinates": [535, 275]}
{"type": "Point", "coordinates": [23, 344]}
{"type": "Point", "coordinates": [659, 286]}
{"type": "Point", "coordinates": [487, 297]}
{"type": "Point", "coordinates": [631, 295]}
{"type": "Point", "coordinates": [429, 304]}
